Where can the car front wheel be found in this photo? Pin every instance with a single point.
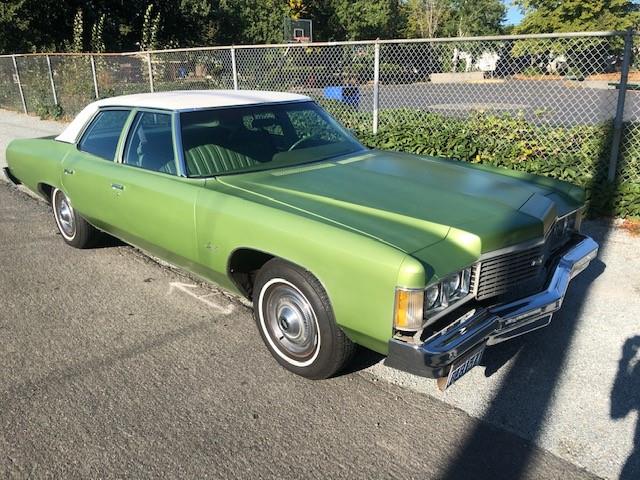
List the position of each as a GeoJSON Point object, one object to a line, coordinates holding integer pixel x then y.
{"type": "Point", "coordinates": [296, 321]}
{"type": "Point", "coordinates": [75, 230]}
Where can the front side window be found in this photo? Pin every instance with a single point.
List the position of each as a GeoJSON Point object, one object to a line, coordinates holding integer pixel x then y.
{"type": "Point", "coordinates": [101, 138]}
{"type": "Point", "coordinates": [262, 137]}
{"type": "Point", "coordinates": [150, 143]}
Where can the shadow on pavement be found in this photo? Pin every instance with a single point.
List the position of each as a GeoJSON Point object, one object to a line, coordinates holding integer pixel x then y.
{"type": "Point", "coordinates": [105, 240]}
{"type": "Point", "coordinates": [523, 400]}
{"type": "Point", "coordinates": [625, 397]}
{"type": "Point", "coordinates": [363, 359]}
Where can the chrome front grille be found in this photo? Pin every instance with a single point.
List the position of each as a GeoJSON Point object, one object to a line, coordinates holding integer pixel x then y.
{"type": "Point", "coordinates": [515, 273]}
{"type": "Point", "coordinates": [523, 272]}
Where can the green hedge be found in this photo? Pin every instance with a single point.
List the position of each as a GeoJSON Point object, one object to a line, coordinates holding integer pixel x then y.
{"type": "Point", "coordinates": [578, 154]}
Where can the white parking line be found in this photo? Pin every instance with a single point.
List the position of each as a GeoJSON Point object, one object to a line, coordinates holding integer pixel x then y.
{"type": "Point", "coordinates": [188, 289]}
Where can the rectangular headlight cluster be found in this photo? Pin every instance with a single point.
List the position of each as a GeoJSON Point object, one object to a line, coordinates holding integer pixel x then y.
{"type": "Point", "coordinates": [413, 306]}
{"type": "Point", "coordinates": [453, 288]}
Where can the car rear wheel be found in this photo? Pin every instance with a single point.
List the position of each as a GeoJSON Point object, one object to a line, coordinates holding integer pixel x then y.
{"type": "Point", "coordinates": [75, 230]}
{"type": "Point", "coordinates": [296, 321]}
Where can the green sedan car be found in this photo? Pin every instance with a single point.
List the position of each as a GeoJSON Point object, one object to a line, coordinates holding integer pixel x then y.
{"type": "Point", "coordinates": [424, 260]}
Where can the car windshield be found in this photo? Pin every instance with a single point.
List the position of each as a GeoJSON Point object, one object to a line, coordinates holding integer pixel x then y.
{"type": "Point", "coordinates": [261, 137]}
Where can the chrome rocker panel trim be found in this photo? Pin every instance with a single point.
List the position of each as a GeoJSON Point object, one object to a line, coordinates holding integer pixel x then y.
{"type": "Point", "coordinates": [433, 358]}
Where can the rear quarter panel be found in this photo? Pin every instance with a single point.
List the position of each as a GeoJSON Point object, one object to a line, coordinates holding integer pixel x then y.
{"type": "Point", "coordinates": [37, 161]}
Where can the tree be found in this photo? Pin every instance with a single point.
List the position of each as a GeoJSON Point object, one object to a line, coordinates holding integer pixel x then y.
{"type": "Point", "coordinates": [150, 29]}
{"type": "Point", "coordinates": [426, 17]}
{"type": "Point", "coordinates": [475, 17]}
{"type": "Point", "coordinates": [252, 21]}
{"type": "Point", "coordinates": [192, 23]}
{"type": "Point", "coordinates": [547, 16]}
{"type": "Point", "coordinates": [297, 8]}
{"type": "Point", "coordinates": [97, 36]}
{"type": "Point", "coordinates": [366, 19]}
{"type": "Point", "coordinates": [77, 41]}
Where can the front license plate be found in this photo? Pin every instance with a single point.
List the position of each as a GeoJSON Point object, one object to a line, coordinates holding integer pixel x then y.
{"type": "Point", "coordinates": [461, 366]}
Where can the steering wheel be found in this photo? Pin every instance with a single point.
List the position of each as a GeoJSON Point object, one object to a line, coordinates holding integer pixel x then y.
{"type": "Point", "coordinates": [301, 141]}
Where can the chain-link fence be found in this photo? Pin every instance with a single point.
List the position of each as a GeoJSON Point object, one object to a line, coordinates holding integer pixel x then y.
{"type": "Point", "coordinates": [565, 105]}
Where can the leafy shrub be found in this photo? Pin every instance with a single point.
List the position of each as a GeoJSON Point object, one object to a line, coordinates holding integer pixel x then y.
{"type": "Point", "coordinates": [577, 154]}
{"type": "Point", "coordinates": [54, 112]}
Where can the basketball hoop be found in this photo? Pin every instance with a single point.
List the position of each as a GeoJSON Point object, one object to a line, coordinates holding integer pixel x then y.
{"type": "Point", "coordinates": [298, 30]}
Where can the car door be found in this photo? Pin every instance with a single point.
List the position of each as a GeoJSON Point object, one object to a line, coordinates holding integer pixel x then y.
{"type": "Point", "coordinates": [155, 206]}
{"type": "Point", "coordinates": [90, 172]}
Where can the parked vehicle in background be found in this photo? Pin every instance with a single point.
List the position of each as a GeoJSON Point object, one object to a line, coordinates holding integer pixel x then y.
{"type": "Point", "coordinates": [426, 260]}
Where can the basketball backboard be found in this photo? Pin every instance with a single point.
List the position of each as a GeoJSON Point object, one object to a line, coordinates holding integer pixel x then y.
{"type": "Point", "coordinates": [300, 30]}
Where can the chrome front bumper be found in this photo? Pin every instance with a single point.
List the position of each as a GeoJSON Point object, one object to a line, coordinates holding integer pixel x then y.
{"type": "Point", "coordinates": [434, 357]}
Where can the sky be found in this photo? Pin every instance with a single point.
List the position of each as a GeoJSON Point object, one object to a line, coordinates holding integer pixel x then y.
{"type": "Point", "coordinates": [514, 15]}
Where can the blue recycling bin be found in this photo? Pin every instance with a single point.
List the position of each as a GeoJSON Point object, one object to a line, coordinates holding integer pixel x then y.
{"type": "Point", "coordinates": [349, 94]}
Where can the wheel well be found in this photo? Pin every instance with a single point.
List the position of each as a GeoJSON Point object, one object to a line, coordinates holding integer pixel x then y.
{"type": "Point", "coordinates": [243, 266]}
{"type": "Point", "coordinates": [46, 191]}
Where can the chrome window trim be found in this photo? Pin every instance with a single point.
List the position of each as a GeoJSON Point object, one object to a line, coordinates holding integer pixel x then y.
{"type": "Point", "coordinates": [177, 145]}
{"type": "Point", "coordinates": [99, 111]}
{"type": "Point", "coordinates": [179, 112]}
{"type": "Point", "coordinates": [131, 124]}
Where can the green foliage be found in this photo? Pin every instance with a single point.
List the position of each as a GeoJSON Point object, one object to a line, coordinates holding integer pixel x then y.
{"type": "Point", "coordinates": [77, 41]}
{"type": "Point", "coordinates": [578, 154]}
{"type": "Point", "coordinates": [426, 18]}
{"type": "Point", "coordinates": [365, 19]}
{"type": "Point", "coordinates": [433, 18]}
{"type": "Point", "coordinates": [97, 36]}
{"type": "Point", "coordinates": [150, 29]}
{"type": "Point", "coordinates": [54, 112]}
{"type": "Point", "coordinates": [252, 21]}
{"type": "Point", "coordinates": [546, 16]}
{"type": "Point", "coordinates": [475, 17]}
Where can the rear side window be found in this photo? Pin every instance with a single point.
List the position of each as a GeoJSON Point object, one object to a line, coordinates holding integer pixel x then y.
{"type": "Point", "coordinates": [101, 138]}
{"type": "Point", "coordinates": [150, 143]}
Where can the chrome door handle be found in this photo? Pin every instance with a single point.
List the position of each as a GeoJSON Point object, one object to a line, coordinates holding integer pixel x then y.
{"type": "Point", "coordinates": [117, 186]}
{"type": "Point", "coordinates": [68, 172]}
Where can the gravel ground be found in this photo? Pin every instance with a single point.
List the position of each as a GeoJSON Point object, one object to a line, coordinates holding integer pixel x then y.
{"type": "Point", "coordinates": [562, 387]}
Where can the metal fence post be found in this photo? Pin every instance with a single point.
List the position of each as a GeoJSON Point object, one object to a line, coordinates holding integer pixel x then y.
{"type": "Point", "coordinates": [618, 123]}
{"type": "Point", "coordinates": [150, 72]}
{"type": "Point", "coordinates": [95, 78]}
{"type": "Point", "coordinates": [53, 85]}
{"type": "Point", "coordinates": [234, 70]}
{"type": "Point", "coordinates": [15, 67]}
{"type": "Point", "coordinates": [376, 85]}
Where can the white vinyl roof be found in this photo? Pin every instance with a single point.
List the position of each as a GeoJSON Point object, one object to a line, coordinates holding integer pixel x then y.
{"type": "Point", "coordinates": [177, 101]}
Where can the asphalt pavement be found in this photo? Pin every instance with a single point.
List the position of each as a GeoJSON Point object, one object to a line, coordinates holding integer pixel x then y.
{"type": "Point", "coordinates": [106, 344]}
{"type": "Point", "coordinates": [112, 365]}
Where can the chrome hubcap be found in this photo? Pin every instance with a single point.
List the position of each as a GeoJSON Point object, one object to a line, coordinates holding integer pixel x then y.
{"type": "Point", "coordinates": [65, 215]}
{"type": "Point", "coordinates": [290, 320]}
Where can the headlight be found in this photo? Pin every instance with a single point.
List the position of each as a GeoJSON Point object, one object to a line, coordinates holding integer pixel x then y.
{"type": "Point", "coordinates": [431, 295]}
{"type": "Point", "coordinates": [453, 288]}
{"type": "Point", "coordinates": [413, 306]}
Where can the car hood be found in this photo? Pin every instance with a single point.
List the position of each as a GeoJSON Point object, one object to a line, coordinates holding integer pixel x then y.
{"type": "Point", "coordinates": [412, 202]}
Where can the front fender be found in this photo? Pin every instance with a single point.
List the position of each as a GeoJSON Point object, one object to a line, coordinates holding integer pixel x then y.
{"type": "Point", "coordinates": [359, 274]}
